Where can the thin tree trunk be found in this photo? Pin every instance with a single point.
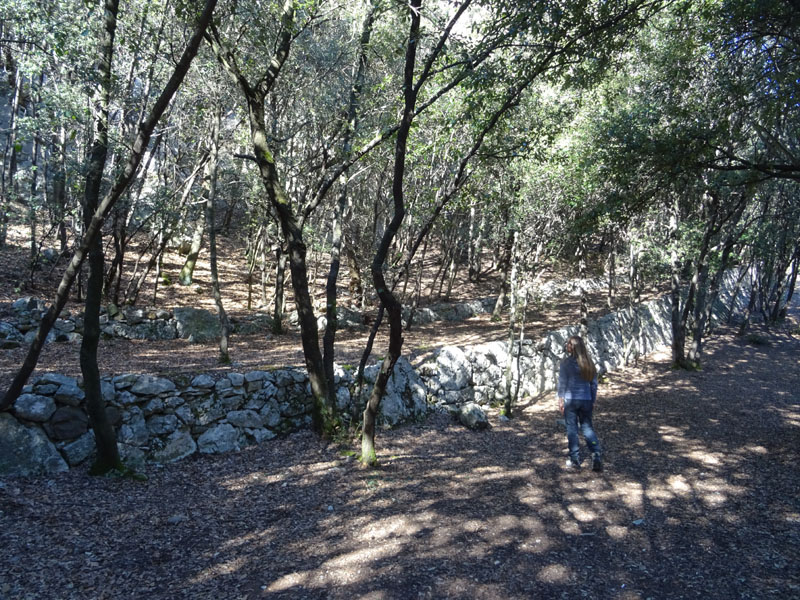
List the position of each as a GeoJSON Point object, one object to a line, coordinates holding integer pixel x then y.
{"type": "Point", "coordinates": [356, 287]}
{"type": "Point", "coordinates": [584, 302]}
{"type": "Point", "coordinates": [280, 278]}
{"type": "Point", "coordinates": [120, 185]}
{"type": "Point", "coordinates": [290, 222]}
{"type": "Point", "coordinates": [8, 185]}
{"type": "Point", "coordinates": [611, 267]}
{"type": "Point", "coordinates": [107, 453]}
{"type": "Point", "coordinates": [59, 196]}
{"type": "Point", "coordinates": [505, 268]}
{"type": "Point", "coordinates": [393, 307]}
{"type": "Point", "coordinates": [512, 318]}
{"type": "Point", "coordinates": [185, 276]}
{"type": "Point", "coordinates": [751, 305]}
{"type": "Point", "coordinates": [678, 332]}
{"type": "Point", "coordinates": [210, 185]}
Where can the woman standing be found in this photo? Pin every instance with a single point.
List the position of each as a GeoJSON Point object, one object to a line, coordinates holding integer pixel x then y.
{"type": "Point", "coordinates": [577, 391]}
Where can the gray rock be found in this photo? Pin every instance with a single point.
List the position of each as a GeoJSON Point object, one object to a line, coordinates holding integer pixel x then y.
{"type": "Point", "coordinates": [203, 381]}
{"type": "Point", "coordinates": [64, 325]}
{"type": "Point", "coordinates": [78, 451]}
{"type": "Point", "coordinates": [237, 379]}
{"type": "Point", "coordinates": [27, 303]}
{"type": "Point", "coordinates": [253, 380]}
{"type": "Point", "coordinates": [26, 451]}
{"type": "Point", "coordinates": [208, 412]}
{"type": "Point", "coordinates": [245, 419]}
{"type": "Point", "coordinates": [162, 424]}
{"type": "Point", "coordinates": [260, 435]}
{"type": "Point", "coordinates": [43, 390]}
{"type": "Point", "coordinates": [156, 405]}
{"type": "Point", "coordinates": [472, 416]}
{"type": "Point", "coordinates": [33, 407]}
{"type": "Point", "coordinates": [271, 414]}
{"type": "Point", "coordinates": [219, 439]}
{"type": "Point", "coordinates": [67, 423]}
{"type": "Point", "coordinates": [10, 336]}
{"type": "Point", "coordinates": [185, 414]}
{"type": "Point", "coordinates": [455, 371]}
{"type": "Point", "coordinates": [342, 398]}
{"type": "Point", "coordinates": [173, 402]}
{"type": "Point", "coordinates": [132, 456]}
{"type": "Point", "coordinates": [231, 402]}
{"type": "Point", "coordinates": [134, 315]}
{"type": "Point", "coordinates": [125, 381]}
{"type": "Point", "coordinates": [223, 385]}
{"type": "Point", "coordinates": [148, 385]}
{"type": "Point", "coordinates": [180, 444]}
{"type": "Point", "coordinates": [405, 397]}
{"type": "Point", "coordinates": [107, 391]}
{"type": "Point", "coordinates": [70, 394]}
{"type": "Point", "coordinates": [57, 379]}
{"type": "Point", "coordinates": [134, 432]}
{"type": "Point", "coordinates": [196, 324]}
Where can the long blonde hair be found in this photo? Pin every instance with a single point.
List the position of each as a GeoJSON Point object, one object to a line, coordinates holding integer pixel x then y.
{"type": "Point", "coordinates": [585, 364]}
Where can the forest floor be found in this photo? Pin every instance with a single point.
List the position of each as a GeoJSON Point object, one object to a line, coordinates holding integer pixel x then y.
{"type": "Point", "coordinates": [700, 496]}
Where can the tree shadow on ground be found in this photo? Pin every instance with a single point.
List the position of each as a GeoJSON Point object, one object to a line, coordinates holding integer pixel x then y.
{"type": "Point", "coordinates": [699, 499]}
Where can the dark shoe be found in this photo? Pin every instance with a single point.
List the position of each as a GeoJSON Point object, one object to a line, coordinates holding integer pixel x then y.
{"type": "Point", "coordinates": [597, 464]}
{"type": "Point", "coordinates": [571, 464]}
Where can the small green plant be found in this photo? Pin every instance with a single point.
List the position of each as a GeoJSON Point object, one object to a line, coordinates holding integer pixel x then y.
{"type": "Point", "coordinates": [756, 339]}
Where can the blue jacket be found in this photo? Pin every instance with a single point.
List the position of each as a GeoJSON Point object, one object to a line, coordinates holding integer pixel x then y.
{"type": "Point", "coordinates": [571, 386]}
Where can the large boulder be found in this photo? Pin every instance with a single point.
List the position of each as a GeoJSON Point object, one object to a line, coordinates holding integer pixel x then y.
{"type": "Point", "coordinates": [26, 451]}
{"type": "Point", "coordinates": [196, 324]}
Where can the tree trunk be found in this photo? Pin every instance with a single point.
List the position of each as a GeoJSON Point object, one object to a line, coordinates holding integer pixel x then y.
{"type": "Point", "coordinates": [59, 196]}
{"type": "Point", "coordinates": [280, 278]}
{"type": "Point", "coordinates": [512, 319]}
{"type": "Point", "coordinates": [505, 268]}
{"type": "Point", "coordinates": [185, 276]}
{"type": "Point", "coordinates": [584, 303]}
{"type": "Point", "coordinates": [393, 307]}
{"type": "Point", "coordinates": [120, 185]}
{"type": "Point", "coordinates": [210, 185]}
{"type": "Point", "coordinates": [611, 267]}
{"type": "Point", "coordinates": [9, 167]}
{"type": "Point", "coordinates": [105, 439]}
{"type": "Point", "coordinates": [336, 241]}
{"type": "Point", "coordinates": [356, 287]}
{"type": "Point", "coordinates": [678, 332]}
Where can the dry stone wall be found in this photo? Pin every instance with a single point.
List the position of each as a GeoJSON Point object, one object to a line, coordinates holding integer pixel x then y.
{"type": "Point", "coordinates": [162, 420]}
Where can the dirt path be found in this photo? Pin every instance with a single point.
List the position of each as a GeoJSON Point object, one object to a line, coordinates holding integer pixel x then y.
{"type": "Point", "coordinates": [699, 499]}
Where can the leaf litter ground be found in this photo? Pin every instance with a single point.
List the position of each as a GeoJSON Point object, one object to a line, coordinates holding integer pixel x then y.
{"type": "Point", "coordinates": [699, 499]}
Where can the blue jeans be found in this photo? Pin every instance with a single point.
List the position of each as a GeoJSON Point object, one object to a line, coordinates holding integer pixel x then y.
{"type": "Point", "coordinates": [578, 413]}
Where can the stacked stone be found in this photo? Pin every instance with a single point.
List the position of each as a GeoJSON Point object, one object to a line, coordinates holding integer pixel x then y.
{"type": "Point", "coordinates": [162, 420]}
